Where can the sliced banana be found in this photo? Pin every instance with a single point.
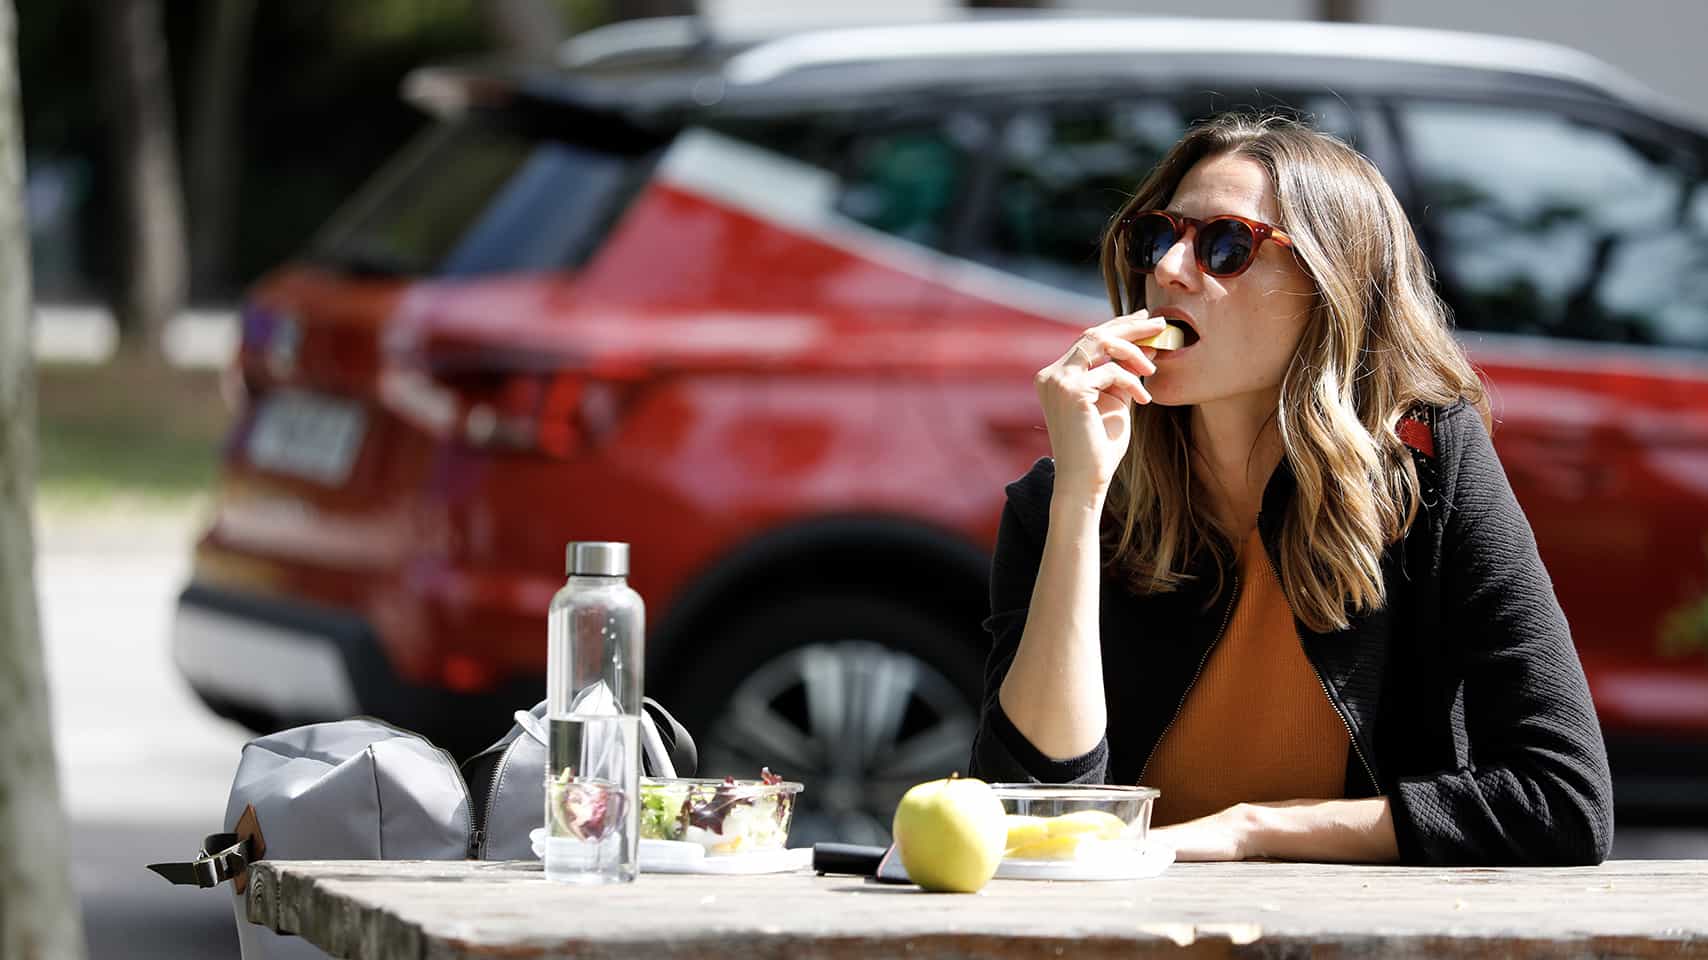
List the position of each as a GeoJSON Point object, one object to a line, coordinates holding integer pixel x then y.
{"type": "Point", "coordinates": [1171, 338]}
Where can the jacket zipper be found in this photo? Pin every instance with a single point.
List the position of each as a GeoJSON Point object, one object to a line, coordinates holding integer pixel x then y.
{"type": "Point", "coordinates": [1350, 736]}
{"type": "Point", "coordinates": [1226, 619]}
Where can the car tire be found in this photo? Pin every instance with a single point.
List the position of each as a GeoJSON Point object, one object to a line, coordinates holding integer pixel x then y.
{"type": "Point", "coordinates": [858, 697]}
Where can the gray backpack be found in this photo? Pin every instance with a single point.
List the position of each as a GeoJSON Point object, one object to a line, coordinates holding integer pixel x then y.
{"type": "Point", "coordinates": [363, 789]}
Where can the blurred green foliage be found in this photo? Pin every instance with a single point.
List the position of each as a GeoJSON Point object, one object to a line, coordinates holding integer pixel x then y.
{"type": "Point", "coordinates": [319, 104]}
{"type": "Point", "coordinates": [1684, 631]}
{"type": "Point", "coordinates": [319, 110]}
{"type": "Point", "coordinates": [127, 429]}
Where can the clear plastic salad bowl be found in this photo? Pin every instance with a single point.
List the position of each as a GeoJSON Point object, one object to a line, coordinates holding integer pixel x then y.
{"type": "Point", "coordinates": [1069, 822]}
{"type": "Point", "coordinates": [724, 816]}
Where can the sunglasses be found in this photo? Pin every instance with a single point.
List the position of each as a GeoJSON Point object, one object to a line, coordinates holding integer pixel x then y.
{"type": "Point", "coordinates": [1225, 245]}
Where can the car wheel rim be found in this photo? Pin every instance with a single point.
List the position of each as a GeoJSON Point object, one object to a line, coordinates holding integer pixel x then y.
{"type": "Point", "coordinates": [858, 723]}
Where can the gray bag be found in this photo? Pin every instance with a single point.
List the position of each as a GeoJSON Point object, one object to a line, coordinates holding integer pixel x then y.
{"type": "Point", "coordinates": [363, 789]}
{"type": "Point", "coordinates": [356, 789]}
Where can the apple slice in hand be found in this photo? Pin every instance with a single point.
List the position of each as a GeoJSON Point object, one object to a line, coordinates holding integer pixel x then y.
{"type": "Point", "coordinates": [1171, 338]}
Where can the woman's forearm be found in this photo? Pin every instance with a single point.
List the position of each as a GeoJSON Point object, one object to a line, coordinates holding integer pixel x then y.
{"type": "Point", "coordinates": [1336, 831]}
{"type": "Point", "coordinates": [1053, 692]}
{"type": "Point", "coordinates": [1325, 831]}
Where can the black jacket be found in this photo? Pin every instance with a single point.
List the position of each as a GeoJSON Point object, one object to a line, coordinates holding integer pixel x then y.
{"type": "Point", "coordinates": [1466, 702]}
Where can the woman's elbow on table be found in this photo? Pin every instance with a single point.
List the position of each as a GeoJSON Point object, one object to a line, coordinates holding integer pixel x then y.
{"type": "Point", "coordinates": [1594, 804]}
{"type": "Point", "coordinates": [1502, 817]}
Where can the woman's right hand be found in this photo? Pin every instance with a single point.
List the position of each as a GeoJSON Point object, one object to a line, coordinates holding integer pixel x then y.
{"type": "Point", "coordinates": [1085, 397]}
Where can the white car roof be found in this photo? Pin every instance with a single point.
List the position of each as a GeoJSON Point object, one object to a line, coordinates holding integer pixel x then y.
{"type": "Point", "coordinates": [1142, 35]}
{"type": "Point", "coordinates": [755, 54]}
{"type": "Point", "coordinates": [1078, 36]}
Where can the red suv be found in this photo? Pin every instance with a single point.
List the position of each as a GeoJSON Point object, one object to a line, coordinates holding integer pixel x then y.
{"type": "Point", "coordinates": [769, 310]}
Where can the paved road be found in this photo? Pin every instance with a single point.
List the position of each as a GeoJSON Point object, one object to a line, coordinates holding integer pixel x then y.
{"type": "Point", "coordinates": [145, 768]}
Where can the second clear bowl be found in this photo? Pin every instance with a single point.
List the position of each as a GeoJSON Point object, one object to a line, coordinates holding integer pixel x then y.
{"type": "Point", "coordinates": [1068, 821]}
{"type": "Point", "coordinates": [723, 816]}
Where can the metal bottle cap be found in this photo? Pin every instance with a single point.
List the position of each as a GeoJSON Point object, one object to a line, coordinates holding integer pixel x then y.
{"type": "Point", "coordinates": [596, 559]}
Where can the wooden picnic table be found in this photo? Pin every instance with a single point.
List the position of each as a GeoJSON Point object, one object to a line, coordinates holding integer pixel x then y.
{"type": "Point", "coordinates": [442, 910]}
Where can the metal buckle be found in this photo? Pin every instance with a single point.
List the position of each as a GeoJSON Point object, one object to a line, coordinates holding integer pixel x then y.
{"type": "Point", "coordinates": [213, 869]}
{"type": "Point", "coordinates": [228, 858]}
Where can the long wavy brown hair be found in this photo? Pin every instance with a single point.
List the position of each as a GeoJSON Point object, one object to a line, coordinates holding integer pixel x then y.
{"type": "Point", "coordinates": [1377, 346]}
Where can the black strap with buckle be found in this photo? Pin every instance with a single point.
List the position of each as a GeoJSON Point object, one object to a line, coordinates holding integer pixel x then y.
{"type": "Point", "coordinates": [222, 857]}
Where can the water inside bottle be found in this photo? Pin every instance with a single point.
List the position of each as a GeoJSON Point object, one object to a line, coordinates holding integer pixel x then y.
{"type": "Point", "coordinates": [593, 798]}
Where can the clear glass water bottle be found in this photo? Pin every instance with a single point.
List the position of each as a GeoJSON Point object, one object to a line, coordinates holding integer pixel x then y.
{"type": "Point", "coordinates": [596, 632]}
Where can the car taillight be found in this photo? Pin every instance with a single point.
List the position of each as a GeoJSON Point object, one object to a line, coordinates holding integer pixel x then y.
{"type": "Point", "coordinates": [504, 398]}
{"type": "Point", "coordinates": [526, 412]}
{"type": "Point", "coordinates": [557, 414]}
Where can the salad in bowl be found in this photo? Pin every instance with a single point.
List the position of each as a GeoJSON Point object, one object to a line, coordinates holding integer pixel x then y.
{"type": "Point", "coordinates": [723, 816]}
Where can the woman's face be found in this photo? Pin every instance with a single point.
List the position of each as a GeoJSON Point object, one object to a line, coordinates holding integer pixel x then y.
{"type": "Point", "coordinates": [1248, 325]}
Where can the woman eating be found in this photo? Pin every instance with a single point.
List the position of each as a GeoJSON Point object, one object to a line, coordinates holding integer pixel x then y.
{"type": "Point", "coordinates": [1273, 566]}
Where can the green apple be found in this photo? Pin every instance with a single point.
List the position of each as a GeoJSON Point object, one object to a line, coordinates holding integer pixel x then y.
{"type": "Point", "coordinates": [951, 834]}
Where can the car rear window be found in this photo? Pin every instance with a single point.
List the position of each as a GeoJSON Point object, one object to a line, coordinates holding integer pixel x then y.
{"type": "Point", "coordinates": [483, 195]}
{"type": "Point", "coordinates": [1549, 225]}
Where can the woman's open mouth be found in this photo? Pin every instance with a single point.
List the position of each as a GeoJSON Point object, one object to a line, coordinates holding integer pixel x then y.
{"type": "Point", "coordinates": [1179, 318]}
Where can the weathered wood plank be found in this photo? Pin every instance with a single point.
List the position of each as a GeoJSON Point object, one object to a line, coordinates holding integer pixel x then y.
{"type": "Point", "coordinates": [455, 910]}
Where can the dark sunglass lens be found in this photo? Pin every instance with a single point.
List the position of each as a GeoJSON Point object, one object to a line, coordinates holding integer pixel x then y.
{"type": "Point", "coordinates": [1225, 246]}
{"type": "Point", "coordinates": [1149, 241]}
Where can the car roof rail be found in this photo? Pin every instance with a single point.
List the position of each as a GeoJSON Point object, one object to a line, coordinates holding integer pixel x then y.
{"type": "Point", "coordinates": [1139, 35]}
{"type": "Point", "coordinates": [650, 35]}
{"type": "Point", "coordinates": [683, 34]}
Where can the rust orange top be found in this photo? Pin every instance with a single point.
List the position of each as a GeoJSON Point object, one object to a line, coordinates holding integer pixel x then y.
{"type": "Point", "coordinates": [1257, 725]}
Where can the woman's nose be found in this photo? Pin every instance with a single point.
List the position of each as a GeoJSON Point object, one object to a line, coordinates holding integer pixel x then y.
{"type": "Point", "coordinates": [1178, 267]}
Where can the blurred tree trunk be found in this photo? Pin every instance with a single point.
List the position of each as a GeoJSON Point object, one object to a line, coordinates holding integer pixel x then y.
{"type": "Point", "coordinates": [531, 29]}
{"type": "Point", "coordinates": [38, 909]}
{"type": "Point", "coordinates": [137, 101]}
{"type": "Point", "coordinates": [1347, 11]}
{"type": "Point", "coordinates": [215, 145]}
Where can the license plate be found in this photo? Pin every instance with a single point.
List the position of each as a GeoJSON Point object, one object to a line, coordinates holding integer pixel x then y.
{"type": "Point", "coordinates": [307, 435]}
